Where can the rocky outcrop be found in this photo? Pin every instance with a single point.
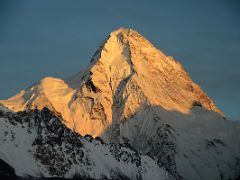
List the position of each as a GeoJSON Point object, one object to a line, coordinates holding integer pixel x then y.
{"type": "Point", "coordinates": [53, 150]}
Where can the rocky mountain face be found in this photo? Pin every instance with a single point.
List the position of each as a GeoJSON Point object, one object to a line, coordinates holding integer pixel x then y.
{"type": "Point", "coordinates": [133, 93]}
{"type": "Point", "coordinates": [37, 144]}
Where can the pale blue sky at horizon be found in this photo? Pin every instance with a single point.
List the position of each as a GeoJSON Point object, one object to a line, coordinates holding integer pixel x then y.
{"type": "Point", "coordinates": [58, 38]}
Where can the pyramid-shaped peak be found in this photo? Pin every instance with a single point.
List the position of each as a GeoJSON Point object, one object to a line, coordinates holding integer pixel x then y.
{"type": "Point", "coordinates": [125, 41]}
{"type": "Point", "coordinates": [126, 54]}
{"type": "Point", "coordinates": [121, 30]}
{"type": "Point", "coordinates": [127, 35]}
{"type": "Point", "coordinates": [126, 32]}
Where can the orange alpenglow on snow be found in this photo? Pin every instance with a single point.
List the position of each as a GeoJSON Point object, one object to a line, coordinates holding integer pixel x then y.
{"type": "Point", "coordinates": [126, 73]}
{"type": "Point", "coordinates": [133, 93]}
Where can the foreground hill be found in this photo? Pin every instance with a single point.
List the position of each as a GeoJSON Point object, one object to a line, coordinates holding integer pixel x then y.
{"type": "Point", "coordinates": [36, 144]}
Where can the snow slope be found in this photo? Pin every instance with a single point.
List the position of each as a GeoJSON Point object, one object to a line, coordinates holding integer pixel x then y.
{"type": "Point", "coordinates": [133, 93]}
{"type": "Point", "coordinates": [48, 148]}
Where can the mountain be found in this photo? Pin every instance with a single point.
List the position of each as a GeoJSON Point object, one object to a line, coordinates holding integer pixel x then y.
{"type": "Point", "coordinates": [133, 93]}
{"type": "Point", "coordinates": [47, 148]}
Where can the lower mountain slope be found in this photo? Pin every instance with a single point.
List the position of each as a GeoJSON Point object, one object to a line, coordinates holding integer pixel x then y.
{"type": "Point", "coordinates": [36, 144]}
{"type": "Point", "coordinates": [199, 145]}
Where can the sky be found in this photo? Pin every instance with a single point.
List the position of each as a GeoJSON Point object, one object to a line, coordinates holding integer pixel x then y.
{"type": "Point", "coordinates": [58, 38]}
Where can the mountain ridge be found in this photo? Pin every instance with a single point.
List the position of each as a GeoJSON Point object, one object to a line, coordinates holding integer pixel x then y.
{"type": "Point", "coordinates": [133, 93]}
{"type": "Point", "coordinates": [119, 51]}
{"type": "Point", "coordinates": [52, 150]}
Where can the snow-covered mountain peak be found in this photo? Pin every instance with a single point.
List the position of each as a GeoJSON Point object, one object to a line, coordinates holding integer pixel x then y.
{"type": "Point", "coordinates": [128, 55]}
{"type": "Point", "coordinates": [126, 73]}
{"type": "Point", "coordinates": [133, 93]}
{"type": "Point", "coordinates": [123, 41]}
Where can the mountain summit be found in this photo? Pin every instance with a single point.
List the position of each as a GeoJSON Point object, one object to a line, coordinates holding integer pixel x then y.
{"type": "Point", "coordinates": [133, 93]}
{"type": "Point", "coordinates": [127, 70]}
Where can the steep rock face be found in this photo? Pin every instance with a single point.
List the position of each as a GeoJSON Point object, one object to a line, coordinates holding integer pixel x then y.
{"type": "Point", "coordinates": [133, 93]}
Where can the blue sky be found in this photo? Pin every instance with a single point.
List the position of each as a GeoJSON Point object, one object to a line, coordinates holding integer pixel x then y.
{"type": "Point", "coordinates": [58, 38]}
